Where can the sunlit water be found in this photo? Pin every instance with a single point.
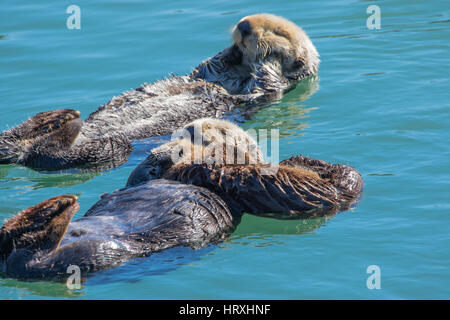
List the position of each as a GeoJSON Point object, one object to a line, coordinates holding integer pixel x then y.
{"type": "Point", "coordinates": [381, 105]}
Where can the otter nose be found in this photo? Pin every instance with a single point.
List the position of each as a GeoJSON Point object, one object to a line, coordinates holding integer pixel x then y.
{"type": "Point", "coordinates": [244, 28]}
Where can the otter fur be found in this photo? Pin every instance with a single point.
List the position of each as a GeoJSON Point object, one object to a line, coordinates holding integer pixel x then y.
{"type": "Point", "coordinates": [290, 192]}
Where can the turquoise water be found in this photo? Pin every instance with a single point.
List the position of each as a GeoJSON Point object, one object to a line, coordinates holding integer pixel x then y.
{"type": "Point", "coordinates": [381, 105]}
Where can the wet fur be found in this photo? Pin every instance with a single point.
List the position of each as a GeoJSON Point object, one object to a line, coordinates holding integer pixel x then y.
{"type": "Point", "coordinates": [40, 227]}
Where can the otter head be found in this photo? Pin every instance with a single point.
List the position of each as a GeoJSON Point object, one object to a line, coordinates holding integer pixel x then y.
{"type": "Point", "coordinates": [49, 131]}
{"type": "Point", "coordinates": [220, 135]}
{"type": "Point", "coordinates": [201, 141]}
{"type": "Point", "coordinates": [266, 36]}
{"type": "Point", "coordinates": [269, 54]}
{"type": "Point", "coordinates": [38, 229]}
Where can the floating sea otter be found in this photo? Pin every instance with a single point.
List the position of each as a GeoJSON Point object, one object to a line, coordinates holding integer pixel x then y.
{"type": "Point", "coordinates": [269, 56]}
{"type": "Point", "coordinates": [173, 201]}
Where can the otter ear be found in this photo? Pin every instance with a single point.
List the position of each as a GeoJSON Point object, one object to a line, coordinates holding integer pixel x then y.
{"type": "Point", "coordinates": [40, 227]}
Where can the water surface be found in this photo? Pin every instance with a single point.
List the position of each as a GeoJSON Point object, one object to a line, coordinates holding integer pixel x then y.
{"type": "Point", "coordinates": [381, 105]}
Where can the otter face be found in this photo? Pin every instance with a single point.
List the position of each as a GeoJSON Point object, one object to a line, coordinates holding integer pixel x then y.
{"type": "Point", "coordinates": [221, 136]}
{"type": "Point", "coordinates": [201, 141]}
{"type": "Point", "coordinates": [266, 36]}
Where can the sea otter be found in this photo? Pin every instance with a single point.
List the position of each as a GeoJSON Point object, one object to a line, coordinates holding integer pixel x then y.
{"type": "Point", "coordinates": [180, 200]}
{"type": "Point", "coordinates": [269, 55]}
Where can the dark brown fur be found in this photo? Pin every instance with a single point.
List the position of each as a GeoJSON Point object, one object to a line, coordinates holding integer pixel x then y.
{"type": "Point", "coordinates": [293, 190]}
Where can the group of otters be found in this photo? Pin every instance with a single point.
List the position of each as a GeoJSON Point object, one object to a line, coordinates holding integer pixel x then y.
{"type": "Point", "coordinates": [169, 201]}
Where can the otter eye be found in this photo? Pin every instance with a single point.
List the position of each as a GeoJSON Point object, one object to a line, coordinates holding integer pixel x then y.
{"type": "Point", "coordinates": [298, 64]}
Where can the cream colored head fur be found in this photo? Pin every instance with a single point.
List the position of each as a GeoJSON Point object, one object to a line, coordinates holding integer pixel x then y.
{"type": "Point", "coordinates": [260, 35]}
